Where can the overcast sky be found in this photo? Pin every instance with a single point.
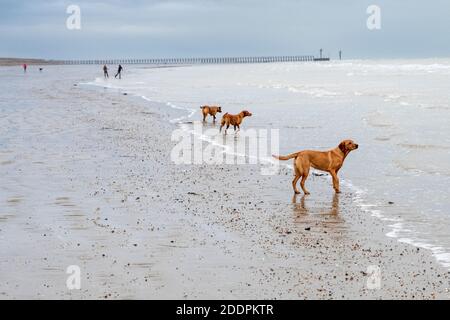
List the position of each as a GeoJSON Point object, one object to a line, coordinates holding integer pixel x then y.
{"type": "Point", "coordinates": [184, 28]}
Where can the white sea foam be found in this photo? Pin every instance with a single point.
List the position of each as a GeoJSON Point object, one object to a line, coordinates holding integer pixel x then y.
{"type": "Point", "coordinates": [398, 229]}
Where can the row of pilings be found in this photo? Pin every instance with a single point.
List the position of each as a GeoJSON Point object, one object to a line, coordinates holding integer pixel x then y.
{"type": "Point", "coordinates": [174, 61]}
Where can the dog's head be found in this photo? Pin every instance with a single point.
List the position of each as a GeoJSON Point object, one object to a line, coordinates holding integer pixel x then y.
{"type": "Point", "coordinates": [246, 113]}
{"type": "Point", "coordinates": [348, 145]}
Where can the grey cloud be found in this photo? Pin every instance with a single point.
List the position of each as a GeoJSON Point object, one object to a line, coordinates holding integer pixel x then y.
{"type": "Point", "coordinates": [119, 28]}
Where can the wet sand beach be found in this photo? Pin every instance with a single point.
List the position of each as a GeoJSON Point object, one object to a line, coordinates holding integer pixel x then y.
{"type": "Point", "coordinates": [87, 180]}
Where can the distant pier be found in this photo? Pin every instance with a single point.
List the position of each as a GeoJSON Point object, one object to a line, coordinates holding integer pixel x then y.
{"type": "Point", "coordinates": [190, 61]}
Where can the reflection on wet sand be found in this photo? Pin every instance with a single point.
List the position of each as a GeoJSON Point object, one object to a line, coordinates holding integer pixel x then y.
{"type": "Point", "coordinates": [301, 209]}
{"type": "Point", "coordinates": [308, 210]}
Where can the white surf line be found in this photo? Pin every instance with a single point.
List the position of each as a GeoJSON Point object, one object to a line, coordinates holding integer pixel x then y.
{"type": "Point", "coordinates": [98, 83]}
{"type": "Point", "coordinates": [397, 228]}
{"type": "Point", "coordinates": [229, 150]}
{"type": "Point", "coordinates": [178, 120]}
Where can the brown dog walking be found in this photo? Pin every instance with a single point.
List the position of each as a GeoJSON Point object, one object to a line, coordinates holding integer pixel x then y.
{"type": "Point", "coordinates": [329, 161]}
{"type": "Point", "coordinates": [211, 110]}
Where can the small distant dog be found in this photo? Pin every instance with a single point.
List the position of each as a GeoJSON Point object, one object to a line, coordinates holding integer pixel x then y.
{"type": "Point", "coordinates": [234, 120]}
{"type": "Point", "coordinates": [211, 110]}
{"type": "Point", "coordinates": [329, 161]}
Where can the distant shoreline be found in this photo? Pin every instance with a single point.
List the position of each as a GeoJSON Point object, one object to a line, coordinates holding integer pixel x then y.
{"type": "Point", "coordinates": [20, 61]}
{"type": "Point", "coordinates": [170, 61]}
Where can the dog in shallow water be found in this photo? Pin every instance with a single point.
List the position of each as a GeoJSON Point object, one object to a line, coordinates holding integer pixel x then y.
{"type": "Point", "coordinates": [211, 110]}
{"type": "Point", "coordinates": [329, 161]}
{"type": "Point", "coordinates": [233, 119]}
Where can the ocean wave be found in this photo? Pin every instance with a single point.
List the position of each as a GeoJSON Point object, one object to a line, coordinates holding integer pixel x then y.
{"type": "Point", "coordinates": [317, 92]}
{"type": "Point", "coordinates": [423, 146]}
{"type": "Point", "coordinates": [377, 120]}
{"type": "Point", "coordinates": [352, 66]}
{"type": "Point", "coordinates": [419, 168]}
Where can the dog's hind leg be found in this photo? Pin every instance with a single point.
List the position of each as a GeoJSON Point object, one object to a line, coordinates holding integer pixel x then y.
{"type": "Point", "coordinates": [294, 184]}
{"type": "Point", "coordinates": [298, 174]}
{"type": "Point", "coordinates": [228, 125]}
{"type": "Point", "coordinates": [304, 177]}
{"type": "Point", "coordinates": [222, 124]}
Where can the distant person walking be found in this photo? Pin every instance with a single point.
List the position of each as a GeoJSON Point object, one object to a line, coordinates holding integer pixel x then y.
{"type": "Point", "coordinates": [119, 72]}
{"type": "Point", "coordinates": [24, 67]}
{"type": "Point", "coordinates": [105, 71]}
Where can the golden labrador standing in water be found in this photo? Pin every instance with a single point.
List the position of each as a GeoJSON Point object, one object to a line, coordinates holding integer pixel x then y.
{"type": "Point", "coordinates": [329, 161]}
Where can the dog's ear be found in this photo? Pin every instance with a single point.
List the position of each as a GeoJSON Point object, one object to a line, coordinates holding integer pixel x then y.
{"type": "Point", "coordinates": [342, 147]}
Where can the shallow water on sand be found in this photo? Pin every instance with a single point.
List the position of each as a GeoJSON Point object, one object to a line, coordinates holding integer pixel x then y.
{"type": "Point", "coordinates": [396, 110]}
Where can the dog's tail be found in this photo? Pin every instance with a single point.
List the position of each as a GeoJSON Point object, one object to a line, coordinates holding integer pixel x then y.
{"type": "Point", "coordinates": [223, 121]}
{"type": "Point", "coordinates": [290, 156]}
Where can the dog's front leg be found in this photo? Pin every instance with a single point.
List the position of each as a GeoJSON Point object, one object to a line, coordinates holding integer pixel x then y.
{"type": "Point", "coordinates": [335, 181]}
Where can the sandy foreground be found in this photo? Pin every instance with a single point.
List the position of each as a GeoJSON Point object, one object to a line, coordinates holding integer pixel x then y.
{"type": "Point", "coordinates": [90, 183]}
